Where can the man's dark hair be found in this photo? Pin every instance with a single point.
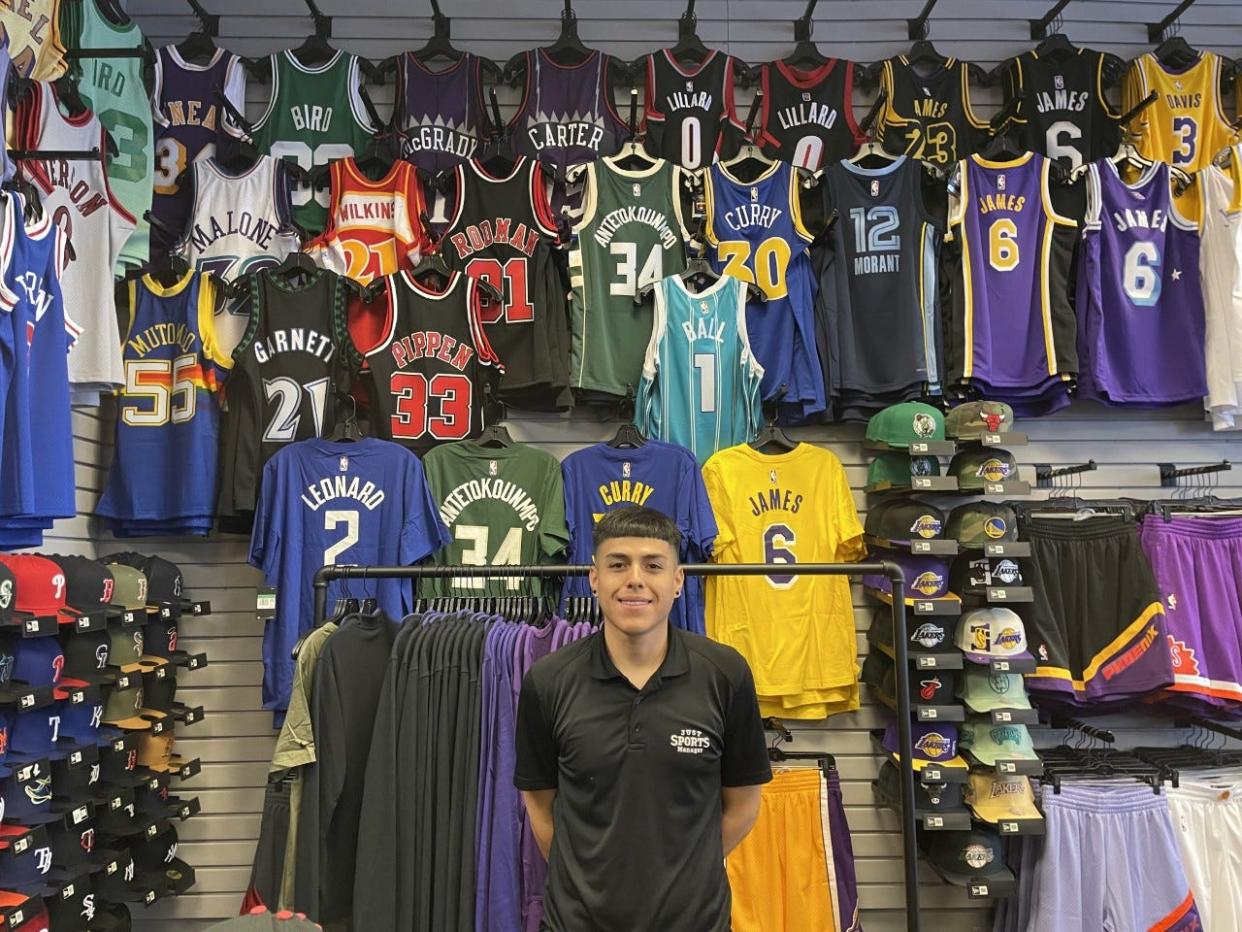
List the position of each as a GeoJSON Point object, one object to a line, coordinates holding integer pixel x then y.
{"type": "Point", "coordinates": [636, 521]}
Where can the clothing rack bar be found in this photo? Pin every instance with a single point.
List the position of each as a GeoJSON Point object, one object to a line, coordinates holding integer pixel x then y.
{"type": "Point", "coordinates": [1039, 27]}
{"type": "Point", "coordinates": [52, 155]}
{"type": "Point", "coordinates": [1155, 31]}
{"type": "Point", "coordinates": [1196, 722]}
{"type": "Point", "coordinates": [1138, 108]}
{"type": "Point", "coordinates": [1169, 473]}
{"type": "Point", "coordinates": [888, 568]}
{"type": "Point", "coordinates": [1044, 473]}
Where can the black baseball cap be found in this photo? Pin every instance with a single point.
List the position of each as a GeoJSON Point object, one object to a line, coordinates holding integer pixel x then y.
{"type": "Point", "coordinates": [74, 781]}
{"type": "Point", "coordinates": [938, 798]}
{"type": "Point", "coordinates": [977, 466]}
{"type": "Point", "coordinates": [972, 575]}
{"type": "Point", "coordinates": [118, 882]}
{"type": "Point", "coordinates": [88, 583]}
{"type": "Point", "coordinates": [927, 687]}
{"type": "Point", "coordinates": [118, 766]}
{"type": "Point", "coordinates": [160, 642]}
{"type": "Point", "coordinates": [927, 634]}
{"type": "Point", "coordinates": [157, 864]}
{"type": "Point", "coordinates": [86, 657]}
{"type": "Point", "coordinates": [29, 802]}
{"type": "Point", "coordinates": [74, 847]}
{"type": "Point", "coordinates": [904, 520]}
{"type": "Point", "coordinates": [967, 857]}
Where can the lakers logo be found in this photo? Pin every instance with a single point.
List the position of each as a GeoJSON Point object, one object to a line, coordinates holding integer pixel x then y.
{"type": "Point", "coordinates": [1007, 788]}
{"type": "Point", "coordinates": [995, 528]}
{"type": "Point", "coordinates": [928, 583]}
{"type": "Point", "coordinates": [926, 526]}
{"type": "Point", "coordinates": [934, 745]}
{"type": "Point", "coordinates": [1010, 639]}
{"type": "Point", "coordinates": [1007, 572]}
{"type": "Point", "coordinates": [928, 635]}
{"type": "Point", "coordinates": [993, 470]}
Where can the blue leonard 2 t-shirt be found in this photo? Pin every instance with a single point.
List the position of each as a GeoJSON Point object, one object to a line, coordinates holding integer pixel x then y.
{"type": "Point", "coordinates": [322, 502]}
{"type": "Point", "coordinates": [659, 475]}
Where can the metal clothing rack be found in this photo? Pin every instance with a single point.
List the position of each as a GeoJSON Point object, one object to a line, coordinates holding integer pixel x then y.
{"type": "Point", "coordinates": [888, 568]}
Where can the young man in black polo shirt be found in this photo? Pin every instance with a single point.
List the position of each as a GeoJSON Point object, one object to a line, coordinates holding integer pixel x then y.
{"type": "Point", "coordinates": [640, 751]}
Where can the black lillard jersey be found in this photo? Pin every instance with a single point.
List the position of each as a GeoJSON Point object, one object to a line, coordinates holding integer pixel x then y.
{"type": "Point", "coordinates": [1064, 113]}
{"type": "Point", "coordinates": [685, 107]}
{"type": "Point", "coordinates": [807, 117]}
{"type": "Point", "coordinates": [429, 370]}
{"type": "Point", "coordinates": [876, 304]}
{"type": "Point", "coordinates": [928, 117]}
{"type": "Point", "coordinates": [286, 371]}
{"type": "Point", "coordinates": [502, 232]}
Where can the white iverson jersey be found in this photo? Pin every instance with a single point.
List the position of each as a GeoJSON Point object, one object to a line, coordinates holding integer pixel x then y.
{"type": "Point", "coordinates": [1220, 263]}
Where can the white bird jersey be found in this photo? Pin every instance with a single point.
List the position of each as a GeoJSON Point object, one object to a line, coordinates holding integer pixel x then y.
{"type": "Point", "coordinates": [77, 196]}
{"type": "Point", "coordinates": [1220, 264]}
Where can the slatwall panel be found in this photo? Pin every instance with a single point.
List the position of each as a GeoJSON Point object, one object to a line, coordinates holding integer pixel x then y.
{"type": "Point", "coordinates": [235, 740]}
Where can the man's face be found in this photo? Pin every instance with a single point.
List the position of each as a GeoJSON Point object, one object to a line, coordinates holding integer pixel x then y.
{"type": "Point", "coordinates": [636, 580]}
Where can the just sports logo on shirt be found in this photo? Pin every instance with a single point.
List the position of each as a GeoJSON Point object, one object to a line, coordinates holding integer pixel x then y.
{"type": "Point", "coordinates": [690, 741]}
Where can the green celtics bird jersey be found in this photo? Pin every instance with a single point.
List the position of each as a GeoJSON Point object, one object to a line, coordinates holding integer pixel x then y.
{"type": "Point", "coordinates": [503, 506]}
{"type": "Point", "coordinates": [114, 89]}
{"type": "Point", "coordinates": [315, 115]}
{"type": "Point", "coordinates": [630, 235]}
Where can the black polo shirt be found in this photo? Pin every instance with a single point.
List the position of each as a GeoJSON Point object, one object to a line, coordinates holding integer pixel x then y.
{"type": "Point", "coordinates": [638, 773]}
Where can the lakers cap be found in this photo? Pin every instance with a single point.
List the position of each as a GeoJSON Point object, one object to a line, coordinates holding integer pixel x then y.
{"type": "Point", "coordinates": [973, 419]}
{"type": "Point", "coordinates": [976, 468]}
{"type": "Point", "coordinates": [977, 524]}
{"type": "Point", "coordinates": [930, 634]}
{"type": "Point", "coordinates": [998, 798]}
{"type": "Point", "coordinates": [933, 745]}
{"type": "Point", "coordinates": [927, 577]}
{"type": "Point", "coordinates": [989, 743]}
{"type": "Point", "coordinates": [904, 520]}
{"type": "Point", "coordinates": [987, 634]}
{"type": "Point", "coordinates": [898, 469]}
{"type": "Point", "coordinates": [964, 858]}
{"type": "Point", "coordinates": [984, 691]}
{"type": "Point", "coordinates": [900, 425]}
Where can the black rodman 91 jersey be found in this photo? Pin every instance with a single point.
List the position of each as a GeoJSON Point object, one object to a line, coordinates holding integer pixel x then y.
{"type": "Point", "coordinates": [286, 370]}
{"type": "Point", "coordinates": [928, 116]}
{"type": "Point", "coordinates": [429, 370]}
{"type": "Point", "coordinates": [1062, 109]}
{"type": "Point", "coordinates": [502, 232]}
{"type": "Point", "coordinates": [686, 106]}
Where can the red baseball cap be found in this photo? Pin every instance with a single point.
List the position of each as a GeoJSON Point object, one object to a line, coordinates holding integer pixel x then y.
{"type": "Point", "coordinates": [41, 587]}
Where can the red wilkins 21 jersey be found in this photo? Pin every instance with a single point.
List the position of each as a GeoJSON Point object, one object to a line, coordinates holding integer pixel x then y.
{"type": "Point", "coordinates": [429, 370]}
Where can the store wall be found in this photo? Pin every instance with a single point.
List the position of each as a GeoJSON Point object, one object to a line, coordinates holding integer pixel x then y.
{"type": "Point", "coordinates": [235, 739]}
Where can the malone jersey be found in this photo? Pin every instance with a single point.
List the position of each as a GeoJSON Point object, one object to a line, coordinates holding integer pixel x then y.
{"type": "Point", "coordinates": [1012, 327]}
{"type": "Point", "coordinates": [756, 234]}
{"type": "Point", "coordinates": [567, 116]}
{"type": "Point", "coordinates": [685, 107]}
{"type": "Point", "coordinates": [928, 116]}
{"type": "Point", "coordinates": [433, 366]}
{"type": "Point", "coordinates": [286, 371]}
{"type": "Point", "coordinates": [877, 297]}
{"type": "Point", "coordinates": [439, 115]}
{"type": "Point", "coordinates": [503, 507]}
{"type": "Point", "coordinates": [1140, 302]}
{"type": "Point", "coordinates": [502, 232]}
{"type": "Point", "coordinates": [189, 122]}
{"type": "Point", "coordinates": [315, 114]}
{"type": "Point", "coordinates": [1186, 125]}
{"type": "Point", "coordinates": [700, 385]}
{"type": "Point", "coordinates": [630, 235]}
{"type": "Point", "coordinates": [373, 226]}
{"type": "Point", "coordinates": [655, 475]}
{"type": "Point", "coordinates": [114, 89]}
{"type": "Point", "coordinates": [164, 466]}
{"type": "Point", "coordinates": [364, 502]}
{"type": "Point", "coordinates": [1062, 107]}
{"type": "Point", "coordinates": [797, 632]}
{"type": "Point", "coordinates": [77, 194]}
{"type": "Point", "coordinates": [32, 28]}
{"type": "Point", "coordinates": [807, 115]}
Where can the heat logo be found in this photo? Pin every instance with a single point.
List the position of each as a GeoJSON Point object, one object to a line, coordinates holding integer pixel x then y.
{"type": "Point", "coordinates": [929, 688]}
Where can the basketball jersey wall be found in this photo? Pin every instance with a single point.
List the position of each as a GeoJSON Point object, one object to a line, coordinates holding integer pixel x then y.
{"type": "Point", "coordinates": [220, 842]}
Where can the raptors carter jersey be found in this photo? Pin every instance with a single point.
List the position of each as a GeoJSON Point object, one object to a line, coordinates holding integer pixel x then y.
{"type": "Point", "coordinates": [439, 114]}
{"type": "Point", "coordinates": [285, 374]}
{"type": "Point", "coordinates": [501, 232]}
{"type": "Point", "coordinates": [1062, 106]}
{"type": "Point", "coordinates": [1012, 327]}
{"type": "Point", "coordinates": [928, 116]}
{"type": "Point", "coordinates": [756, 234]}
{"type": "Point", "coordinates": [373, 226]}
{"type": "Point", "coordinates": [807, 116]}
{"type": "Point", "coordinates": [1186, 125]}
{"type": "Point", "coordinates": [877, 296]}
{"type": "Point", "coordinates": [164, 466]}
{"type": "Point", "coordinates": [686, 107]}
{"type": "Point", "coordinates": [630, 235]}
{"type": "Point", "coordinates": [567, 116]}
{"type": "Point", "coordinates": [315, 114]}
{"type": "Point", "coordinates": [700, 386]}
{"type": "Point", "coordinates": [79, 198]}
{"type": "Point", "coordinates": [429, 371]}
{"type": "Point", "coordinates": [189, 121]}
{"type": "Point", "coordinates": [1140, 303]}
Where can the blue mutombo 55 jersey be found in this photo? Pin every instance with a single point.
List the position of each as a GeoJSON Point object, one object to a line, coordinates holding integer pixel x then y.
{"type": "Point", "coordinates": [324, 502]}
{"type": "Point", "coordinates": [700, 385]}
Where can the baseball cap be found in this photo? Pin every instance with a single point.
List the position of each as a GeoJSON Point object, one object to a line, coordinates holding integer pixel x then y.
{"type": "Point", "coordinates": [81, 723]}
{"type": "Point", "coordinates": [126, 650]}
{"type": "Point", "coordinates": [933, 744]}
{"type": "Point", "coordinates": [86, 657]}
{"type": "Point", "coordinates": [40, 587]}
{"type": "Point", "coordinates": [159, 644]}
{"type": "Point", "coordinates": [8, 592]}
{"type": "Point", "coordinates": [40, 662]}
{"type": "Point", "coordinates": [155, 753]}
{"type": "Point", "coordinates": [989, 743]}
{"type": "Point", "coordinates": [974, 468]}
{"type": "Point", "coordinates": [927, 687]}
{"type": "Point", "coordinates": [158, 695]}
{"type": "Point", "coordinates": [976, 524]}
{"type": "Point", "coordinates": [898, 469]}
{"type": "Point", "coordinates": [71, 905]}
{"type": "Point", "coordinates": [967, 857]}
{"type": "Point", "coordinates": [927, 577]}
{"type": "Point", "coordinates": [30, 913]}
{"type": "Point", "coordinates": [88, 583]}
{"type": "Point", "coordinates": [975, 418]}
{"type": "Point", "coordinates": [73, 847]}
{"type": "Point", "coordinates": [940, 798]}
{"type": "Point", "coordinates": [156, 862]}
{"type": "Point", "coordinates": [75, 778]}
{"type": "Point", "coordinates": [904, 520]}
{"type": "Point", "coordinates": [118, 882]}
{"type": "Point", "coordinates": [987, 634]}
{"type": "Point", "coordinates": [984, 691]}
{"type": "Point", "coordinates": [900, 425]}
{"type": "Point", "coordinates": [29, 802]}
{"type": "Point", "coordinates": [129, 588]}
{"type": "Point", "coordinates": [118, 766]}
{"type": "Point", "coordinates": [1000, 798]}
{"type": "Point", "coordinates": [123, 708]}
{"type": "Point", "coordinates": [929, 635]}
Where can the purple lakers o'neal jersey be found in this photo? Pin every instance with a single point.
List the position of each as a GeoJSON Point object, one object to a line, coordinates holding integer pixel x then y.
{"type": "Point", "coordinates": [1140, 301]}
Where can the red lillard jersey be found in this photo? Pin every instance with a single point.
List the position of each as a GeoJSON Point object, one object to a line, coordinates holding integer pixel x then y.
{"type": "Point", "coordinates": [374, 227]}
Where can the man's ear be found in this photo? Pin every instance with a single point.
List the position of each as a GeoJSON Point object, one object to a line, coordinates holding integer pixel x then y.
{"type": "Point", "coordinates": [680, 577]}
{"type": "Point", "coordinates": [593, 576]}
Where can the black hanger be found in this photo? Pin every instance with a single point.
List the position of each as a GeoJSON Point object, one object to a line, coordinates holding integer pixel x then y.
{"type": "Point", "coordinates": [495, 434]}
{"type": "Point", "coordinates": [67, 94]}
{"type": "Point", "coordinates": [431, 266]}
{"type": "Point", "coordinates": [440, 45]}
{"type": "Point", "coordinates": [1056, 46]}
{"type": "Point", "coordinates": [346, 428]}
{"type": "Point", "coordinates": [168, 269]}
{"type": "Point", "coordinates": [689, 48]}
{"type": "Point", "coordinates": [923, 52]}
{"type": "Point", "coordinates": [771, 439]}
{"type": "Point", "coordinates": [199, 46]}
{"type": "Point", "coordinates": [316, 49]}
{"type": "Point", "coordinates": [377, 154]}
{"type": "Point", "coordinates": [628, 436]}
{"type": "Point", "coordinates": [292, 263]}
{"type": "Point", "coordinates": [632, 156]}
{"type": "Point", "coordinates": [568, 48]}
{"type": "Point", "coordinates": [806, 53]}
{"type": "Point", "coordinates": [1176, 53]}
{"type": "Point", "coordinates": [32, 202]}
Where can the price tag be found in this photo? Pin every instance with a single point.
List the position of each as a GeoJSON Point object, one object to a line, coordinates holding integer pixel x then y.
{"type": "Point", "coordinates": [185, 813]}
{"type": "Point", "coordinates": [265, 600]}
{"type": "Point", "coordinates": [81, 814]}
{"type": "Point", "coordinates": [1000, 666]}
{"type": "Point", "coordinates": [994, 488]}
{"type": "Point", "coordinates": [926, 663]}
{"type": "Point", "coordinates": [979, 889]}
{"type": "Point", "coordinates": [921, 482]}
{"type": "Point", "coordinates": [1009, 828]}
{"type": "Point", "coordinates": [999, 595]}
{"type": "Point", "coordinates": [1006, 766]}
{"type": "Point", "coordinates": [27, 773]}
{"type": "Point", "coordinates": [26, 701]}
{"type": "Point", "coordinates": [994, 550]}
{"type": "Point", "coordinates": [128, 618]}
{"type": "Point", "coordinates": [153, 783]}
{"type": "Point", "coordinates": [918, 449]}
{"type": "Point", "coordinates": [991, 438]}
{"type": "Point", "coordinates": [933, 821]}
{"type": "Point", "coordinates": [930, 713]}
{"type": "Point", "coordinates": [1002, 717]}
{"type": "Point", "coordinates": [68, 892]}
{"type": "Point", "coordinates": [119, 744]}
{"type": "Point", "coordinates": [932, 775]}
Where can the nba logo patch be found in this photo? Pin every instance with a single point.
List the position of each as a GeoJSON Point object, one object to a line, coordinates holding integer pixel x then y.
{"type": "Point", "coordinates": [806, 96]}
{"type": "Point", "coordinates": [875, 188]}
{"type": "Point", "coordinates": [689, 87]}
{"type": "Point", "coordinates": [772, 476]}
{"type": "Point", "coordinates": [625, 470]}
{"type": "Point", "coordinates": [344, 464]}
{"type": "Point", "coordinates": [1000, 182]}
{"type": "Point", "coordinates": [703, 307]}
{"type": "Point", "coordinates": [1058, 82]}
{"type": "Point", "coordinates": [754, 195]}
{"type": "Point", "coordinates": [637, 189]}
{"type": "Point", "coordinates": [493, 468]}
